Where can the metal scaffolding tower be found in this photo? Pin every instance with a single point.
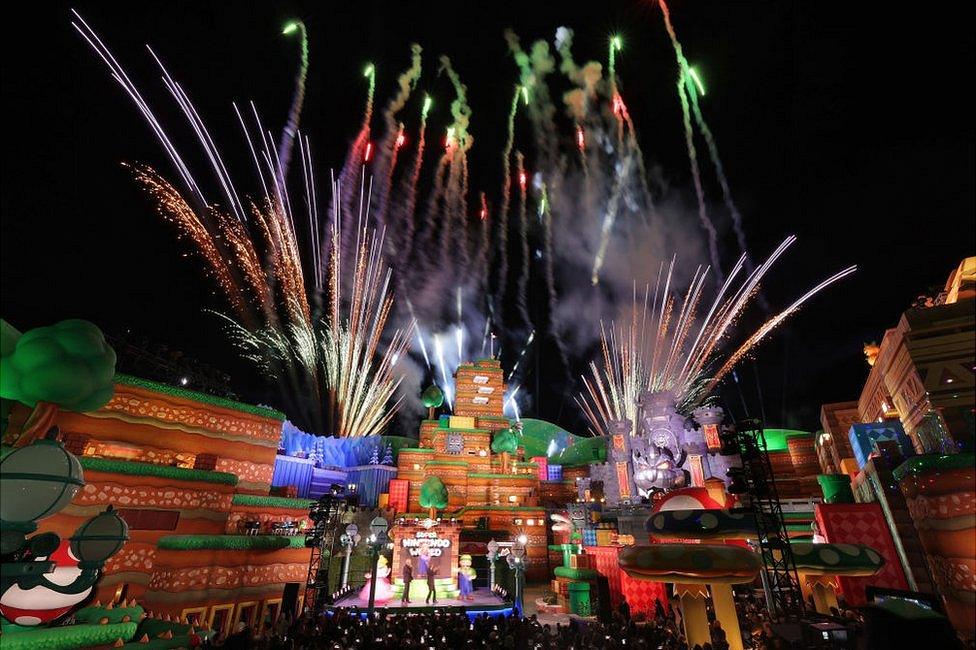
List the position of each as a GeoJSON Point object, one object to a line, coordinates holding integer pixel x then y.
{"type": "Point", "coordinates": [756, 485]}
{"type": "Point", "coordinates": [323, 538]}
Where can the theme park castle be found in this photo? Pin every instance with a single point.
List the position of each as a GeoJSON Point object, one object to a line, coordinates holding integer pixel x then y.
{"type": "Point", "coordinates": [486, 491]}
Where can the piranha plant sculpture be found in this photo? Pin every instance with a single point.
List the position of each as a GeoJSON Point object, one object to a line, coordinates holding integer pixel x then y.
{"type": "Point", "coordinates": [44, 577]}
{"type": "Point", "coordinates": [66, 366]}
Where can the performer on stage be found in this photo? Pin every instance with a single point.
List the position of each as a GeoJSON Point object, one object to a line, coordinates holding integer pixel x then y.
{"type": "Point", "coordinates": [465, 577]}
{"type": "Point", "coordinates": [407, 577]}
{"type": "Point", "coordinates": [431, 585]}
{"type": "Point", "coordinates": [424, 555]}
{"type": "Point", "coordinates": [384, 591]}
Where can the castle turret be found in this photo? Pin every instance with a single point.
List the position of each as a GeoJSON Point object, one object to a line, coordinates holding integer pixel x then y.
{"type": "Point", "coordinates": [713, 465]}
{"type": "Point", "coordinates": [480, 389]}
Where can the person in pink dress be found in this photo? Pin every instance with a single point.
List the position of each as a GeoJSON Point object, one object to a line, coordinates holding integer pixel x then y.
{"type": "Point", "coordinates": [384, 590]}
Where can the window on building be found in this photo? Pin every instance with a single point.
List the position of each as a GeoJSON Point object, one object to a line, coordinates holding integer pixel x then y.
{"type": "Point", "coordinates": [270, 611]}
{"type": "Point", "coordinates": [194, 615]}
{"type": "Point", "coordinates": [247, 612]}
{"type": "Point", "coordinates": [220, 617]}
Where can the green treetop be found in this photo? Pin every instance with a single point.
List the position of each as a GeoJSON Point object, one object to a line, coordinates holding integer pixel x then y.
{"type": "Point", "coordinates": [433, 495]}
{"type": "Point", "coordinates": [64, 366]}
{"type": "Point", "coordinates": [505, 443]}
{"type": "Point", "coordinates": [433, 398]}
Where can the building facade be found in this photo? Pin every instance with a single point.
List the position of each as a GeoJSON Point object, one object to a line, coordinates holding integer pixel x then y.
{"type": "Point", "coordinates": [916, 410]}
{"type": "Point", "coordinates": [485, 490]}
{"type": "Point", "coordinates": [190, 474]}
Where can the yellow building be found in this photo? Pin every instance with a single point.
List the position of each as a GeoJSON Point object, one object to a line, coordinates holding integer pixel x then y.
{"type": "Point", "coordinates": [921, 381]}
{"type": "Point", "coordinates": [921, 374]}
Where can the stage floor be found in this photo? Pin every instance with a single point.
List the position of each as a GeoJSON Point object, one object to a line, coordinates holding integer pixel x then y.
{"type": "Point", "coordinates": [484, 601]}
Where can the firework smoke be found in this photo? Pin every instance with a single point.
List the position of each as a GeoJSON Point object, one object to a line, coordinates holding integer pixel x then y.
{"type": "Point", "coordinates": [393, 137]}
{"type": "Point", "coordinates": [690, 142]}
{"type": "Point", "coordinates": [522, 279]}
{"type": "Point", "coordinates": [694, 89]}
{"type": "Point", "coordinates": [406, 220]}
{"type": "Point", "coordinates": [457, 243]}
{"type": "Point", "coordinates": [352, 177]}
{"type": "Point", "coordinates": [501, 259]}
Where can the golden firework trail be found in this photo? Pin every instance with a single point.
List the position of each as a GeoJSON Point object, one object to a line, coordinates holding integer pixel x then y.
{"type": "Point", "coordinates": [326, 338]}
{"type": "Point", "coordinates": [682, 352]}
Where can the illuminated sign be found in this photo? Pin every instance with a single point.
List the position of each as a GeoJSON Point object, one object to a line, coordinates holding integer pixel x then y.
{"type": "Point", "coordinates": [428, 540]}
{"type": "Point", "coordinates": [623, 480]}
{"type": "Point", "coordinates": [711, 437]}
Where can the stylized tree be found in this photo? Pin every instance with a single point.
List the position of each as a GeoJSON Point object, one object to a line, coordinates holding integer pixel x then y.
{"type": "Point", "coordinates": [374, 457]}
{"type": "Point", "coordinates": [505, 443]}
{"type": "Point", "coordinates": [433, 495]}
{"type": "Point", "coordinates": [65, 366]}
{"type": "Point", "coordinates": [388, 455]}
{"type": "Point", "coordinates": [432, 398]}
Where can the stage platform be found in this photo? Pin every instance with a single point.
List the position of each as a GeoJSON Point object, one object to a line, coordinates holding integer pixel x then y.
{"type": "Point", "coordinates": [484, 602]}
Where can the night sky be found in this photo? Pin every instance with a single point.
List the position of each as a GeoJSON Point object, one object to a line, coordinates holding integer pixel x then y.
{"type": "Point", "coordinates": [848, 125]}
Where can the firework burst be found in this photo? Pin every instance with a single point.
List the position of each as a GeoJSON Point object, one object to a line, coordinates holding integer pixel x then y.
{"type": "Point", "coordinates": [327, 338]}
{"type": "Point", "coordinates": [310, 299]}
{"type": "Point", "coordinates": [667, 348]}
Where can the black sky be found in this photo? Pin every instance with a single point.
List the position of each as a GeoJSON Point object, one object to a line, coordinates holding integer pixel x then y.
{"type": "Point", "coordinates": [848, 125]}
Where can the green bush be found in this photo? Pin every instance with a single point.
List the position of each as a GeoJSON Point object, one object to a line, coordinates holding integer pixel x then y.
{"type": "Point", "coordinates": [115, 466]}
{"type": "Point", "coordinates": [68, 364]}
{"type": "Point", "coordinates": [271, 501]}
{"type": "Point", "coordinates": [433, 493]}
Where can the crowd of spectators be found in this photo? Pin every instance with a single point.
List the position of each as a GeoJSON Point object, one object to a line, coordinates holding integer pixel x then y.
{"type": "Point", "coordinates": [448, 630]}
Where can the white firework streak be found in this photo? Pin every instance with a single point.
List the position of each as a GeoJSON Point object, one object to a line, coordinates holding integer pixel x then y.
{"type": "Point", "coordinates": [673, 361]}
{"type": "Point", "coordinates": [252, 252]}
